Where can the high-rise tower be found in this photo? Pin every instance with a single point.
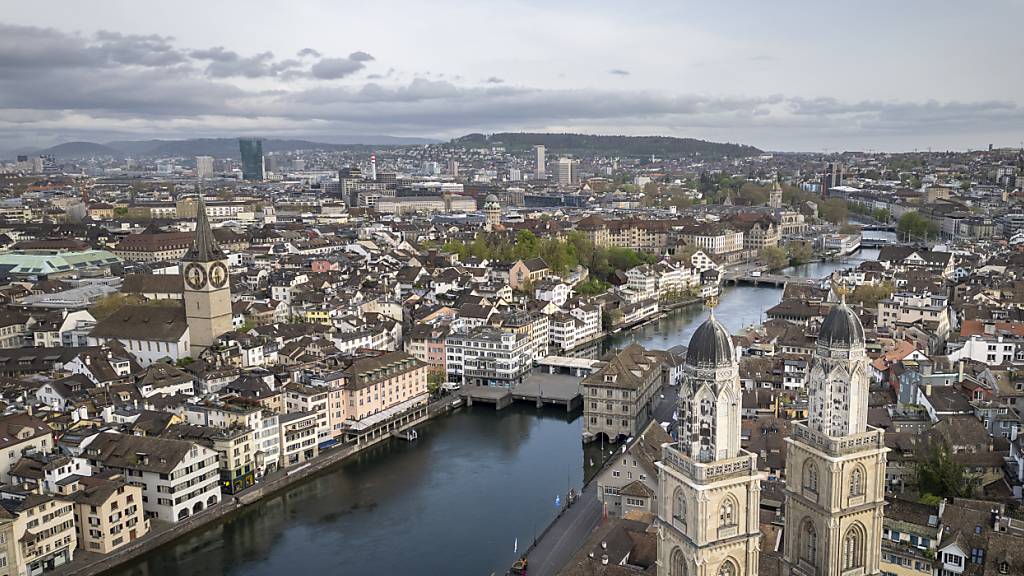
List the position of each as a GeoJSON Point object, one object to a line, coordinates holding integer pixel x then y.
{"type": "Point", "coordinates": [207, 291]}
{"type": "Point", "coordinates": [251, 152]}
{"type": "Point", "coordinates": [709, 487]}
{"type": "Point", "coordinates": [540, 170]}
{"type": "Point", "coordinates": [835, 462]}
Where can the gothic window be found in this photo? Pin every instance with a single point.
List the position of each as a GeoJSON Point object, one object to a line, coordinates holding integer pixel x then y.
{"type": "Point", "coordinates": [728, 569]}
{"type": "Point", "coordinates": [679, 507]}
{"type": "Point", "coordinates": [727, 513]}
{"type": "Point", "coordinates": [810, 477]}
{"type": "Point", "coordinates": [678, 563]}
{"type": "Point", "coordinates": [809, 550]}
{"type": "Point", "coordinates": [853, 548]}
{"type": "Point", "coordinates": [857, 482]}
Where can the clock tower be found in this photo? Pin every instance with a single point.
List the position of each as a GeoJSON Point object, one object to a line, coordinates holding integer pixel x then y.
{"type": "Point", "coordinates": [207, 291]}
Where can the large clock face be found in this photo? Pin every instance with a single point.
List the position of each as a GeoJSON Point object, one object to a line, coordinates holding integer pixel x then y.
{"type": "Point", "coordinates": [195, 276]}
{"type": "Point", "coordinates": [218, 275]}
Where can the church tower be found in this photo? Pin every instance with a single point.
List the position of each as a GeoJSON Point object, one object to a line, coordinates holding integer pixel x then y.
{"type": "Point", "coordinates": [835, 462]}
{"type": "Point", "coordinates": [709, 489]}
{"type": "Point", "coordinates": [207, 288]}
{"type": "Point", "coordinates": [775, 195]}
{"type": "Point", "coordinates": [492, 211]}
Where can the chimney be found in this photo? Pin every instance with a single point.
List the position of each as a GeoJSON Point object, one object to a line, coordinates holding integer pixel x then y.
{"type": "Point", "coordinates": [604, 559]}
{"type": "Point", "coordinates": [960, 370]}
{"type": "Point", "coordinates": [928, 390]}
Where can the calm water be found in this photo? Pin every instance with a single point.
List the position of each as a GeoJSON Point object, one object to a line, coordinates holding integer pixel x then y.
{"type": "Point", "coordinates": [454, 502]}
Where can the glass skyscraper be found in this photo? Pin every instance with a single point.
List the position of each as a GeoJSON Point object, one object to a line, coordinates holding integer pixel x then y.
{"type": "Point", "coordinates": [251, 150]}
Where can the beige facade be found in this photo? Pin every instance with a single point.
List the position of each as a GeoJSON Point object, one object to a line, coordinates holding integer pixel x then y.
{"type": "Point", "coordinates": [619, 398]}
{"type": "Point", "coordinates": [8, 545]}
{"type": "Point", "coordinates": [43, 530]}
{"type": "Point", "coordinates": [20, 433]}
{"type": "Point", "coordinates": [708, 486]}
{"type": "Point", "coordinates": [108, 513]}
{"type": "Point", "coordinates": [835, 462]}
{"type": "Point", "coordinates": [298, 438]}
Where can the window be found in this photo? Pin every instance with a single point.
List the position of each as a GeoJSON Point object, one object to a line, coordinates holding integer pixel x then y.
{"type": "Point", "coordinates": [679, 508]}
{"type": "Point", "coordinates": [810, 547]}
{"type": "Point", "coordinates": [678, 563]}
{"type": "Point", "coordinates": [727, 513]}
{"type": "Point", "coordinates": [728, 569]}
{"type": "Point", "coordinates": [857, 482]}
{"type": "Point", "coordinates": [810, 477]}
{"type": "Point", "coordinates": [977, 556]}
{"type": "Point", "coordinates": [853, 545]}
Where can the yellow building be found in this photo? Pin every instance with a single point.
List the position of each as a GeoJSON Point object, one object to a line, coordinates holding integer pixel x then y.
{"type": "Point", "coordinates": [43, 529]}
{"type": "Point", "coordinates": [108, 512]}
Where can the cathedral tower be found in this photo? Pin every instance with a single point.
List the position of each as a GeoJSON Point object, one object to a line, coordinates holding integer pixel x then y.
{"type": "Point", "coordinates": [709, 487]}
{"type": "Point", "coordinates": [207, 288]}
{"type": "Point", "coordinates": [775, 195]}
{"type": "Point", "coordinates": [835, 462]}
{"type": "Point", "coordinates": [492, 211]}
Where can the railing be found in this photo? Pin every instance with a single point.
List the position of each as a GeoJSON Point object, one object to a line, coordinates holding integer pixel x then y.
{"type": "Point", "coordinates": [873, 438]}
{"type": "Point", "coordinates": [742, 464]}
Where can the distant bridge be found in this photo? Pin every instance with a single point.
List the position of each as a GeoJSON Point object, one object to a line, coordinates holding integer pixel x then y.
{"type": "Point", "coordinates": [777, 280]}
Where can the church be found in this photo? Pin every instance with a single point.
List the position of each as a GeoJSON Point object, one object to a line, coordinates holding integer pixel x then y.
{"type": "Point", "coordinates": [709, 487]}
{"type": "Point", "coordinates": [207, 287]}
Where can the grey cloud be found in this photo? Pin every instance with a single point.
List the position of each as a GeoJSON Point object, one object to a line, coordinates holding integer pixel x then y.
{"type": "Point", "coordinates": [217, 54]}
{"type": "Point", "coordinates": [494, 80]}
{"type": "Point", "coordinates": [308, 52]}
{"type": "Point", "coordinates": [619, 72]}
{"type": "Point", "coordinates": [36, 48]}
{"type": "Point", "coordinates": [151, 50]}
{"type": "Point", "coordinates": [335, 68]}
{"type": "Point", "coordinates": [360, 56]}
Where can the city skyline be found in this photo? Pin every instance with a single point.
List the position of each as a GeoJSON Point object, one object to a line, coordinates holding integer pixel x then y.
{"type": "Point", "coordinates": [782, 78]}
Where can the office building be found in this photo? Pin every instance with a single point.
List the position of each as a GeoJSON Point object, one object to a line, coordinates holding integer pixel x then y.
{"type": "Point", "coordinates": [204, 166]}
{"type": "Point", "coordinates": [251, 151]}
{"type": "Point", "coordinates": [565, 172]}
{"type": "Point", "coordinates": [539, 170]}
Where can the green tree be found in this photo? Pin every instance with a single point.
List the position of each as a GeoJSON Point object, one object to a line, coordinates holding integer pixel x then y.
{"type": "Point", "coordinates": [869, 296]}
{"type": "Point", "coordinates": [775, 257]}
{"type": "Point", "coordinates": [916, 225]}
{"type": "Point", "coordinates": [800, 252]}
{"type": "Point", "coordinates": [882, 215]}
{"type": "Point", "coordinates": [591, 287]}
{"type": "Point", "coordinates": [939, 474]}
{"type": "Point", "coordinates": [435, 378]}
{"type": "Point", "coordinates": [833, 210]}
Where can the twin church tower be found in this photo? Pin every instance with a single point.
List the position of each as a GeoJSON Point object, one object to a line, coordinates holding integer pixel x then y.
{"type": "Point", "coordinates": [709, 487]}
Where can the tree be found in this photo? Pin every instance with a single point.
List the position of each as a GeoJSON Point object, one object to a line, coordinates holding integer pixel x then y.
{"type": "Point", "coordinates": [799, 252]}
{"type": "Point", "coordinates": [775, 257]}
{"type": "Point", "coordinates": [435, 378]}
{"type": "Point", "coordinates": [916, 225]}
{"type": "Point", "coordinates": [591, 287]}
{"type": "Point", "coordinates": [882, 215]}
{"type": "Point", "coordinates": [939, 474]}
{"type": "Point", "coordinates": [833, 210]}
{"type": "Point", "coordinates": [849, 229]}
{"type": "Point", "coordinates": [686, 252]}
{"type": "Point", "coordinates": [869, 296]}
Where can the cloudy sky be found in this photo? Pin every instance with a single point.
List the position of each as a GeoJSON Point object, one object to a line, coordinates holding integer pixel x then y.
{"type": "Point", "coordinates": [816, 76]}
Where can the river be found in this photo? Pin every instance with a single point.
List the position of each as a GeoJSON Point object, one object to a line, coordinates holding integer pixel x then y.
{"type": "Point", "coordinates": [455, 502]}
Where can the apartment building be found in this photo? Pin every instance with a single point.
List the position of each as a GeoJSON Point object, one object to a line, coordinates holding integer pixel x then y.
{"type": "Point", "coordinates": [108, 512]}
{"type": "Point", "coordinates": [236, 448]}
{"type": "Point", "coordinates": [43, 530]}
{"type": "Point", "coordinates": [488, 356]}
{"type": "Point", "coordinates": [21, 433]}
{"type": "Point", "coordinates": [310, 399]}
{"type": "Point", "coordinates": [298, 431]}
{"type": "Point", "coordinates": [929, 311]}
{"type": "Point", "coordinates": [619, 398]}
{"type": "Point", "coordinates": [177, 478]}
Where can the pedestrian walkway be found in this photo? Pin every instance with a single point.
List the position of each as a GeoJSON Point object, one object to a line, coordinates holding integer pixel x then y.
{"type": "Point", "coordinates": [563, 538]}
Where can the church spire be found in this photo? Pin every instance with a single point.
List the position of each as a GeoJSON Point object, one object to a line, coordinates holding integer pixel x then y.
{"type": "Point", "coordinates": [204, 248]}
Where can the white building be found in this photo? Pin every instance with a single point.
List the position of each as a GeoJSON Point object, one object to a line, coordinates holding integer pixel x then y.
{"type": "Point", "coordinates": [178, 478]}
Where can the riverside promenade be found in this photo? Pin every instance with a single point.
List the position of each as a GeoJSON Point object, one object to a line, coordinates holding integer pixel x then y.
{"type": "Point", "coordinates": [570, 529]}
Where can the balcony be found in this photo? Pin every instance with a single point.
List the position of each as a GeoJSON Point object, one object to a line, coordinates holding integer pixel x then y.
{"type": "Point", "coordinates": [872, 439]}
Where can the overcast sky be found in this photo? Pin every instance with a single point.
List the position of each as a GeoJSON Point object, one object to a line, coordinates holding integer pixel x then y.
{"type": "Point", "coordinates": [816, 76]}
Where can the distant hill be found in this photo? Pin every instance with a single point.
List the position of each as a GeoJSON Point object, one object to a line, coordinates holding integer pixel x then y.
{"type": "Point", "coordinates": [228, 147]}
{"type": "Point", "coordinates": [217, 147]}
{"type": "Point", "coordinates": [81, 150]}
{"type": "Point", "coordinates": [610, 145]}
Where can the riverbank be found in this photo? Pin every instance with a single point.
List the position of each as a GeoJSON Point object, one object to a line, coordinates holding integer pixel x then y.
{"type": "Point", "coordinates": [163, 533]}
